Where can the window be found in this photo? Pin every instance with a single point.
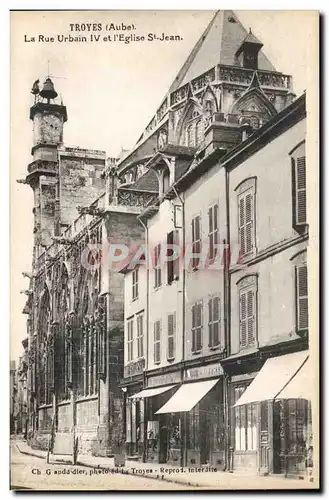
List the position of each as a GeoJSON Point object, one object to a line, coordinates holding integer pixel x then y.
{"type": "Point", "coordinates": [214, 321]}
{"type": "Point", "coordinates": [301, 297]}
{"type": "Point", "coordinates": [135, 284]}
{"type": "Point", "coordinates": [246, 222]}
{"type": "Point", "coordinates": [245, 418]}
{"type": "Point", "coordinates": [190, 135]}
{"type": "Point", "coordinates": [130, 339]}
{"type": "Point", "coordinates": [198, 132]}
{"type": "Point", "coordinates": [172, 265]}
{"type": "Point", "coordinates": [157, 266]}
{"type": "Point", "coordinates": [196, 241]}
{"type": "Point", "coordinates": [165, 180]}
{"type": "Point", "coordinates": [299, 191]}
{"type": "Point", "coordinates": [213, 232]}
{"type": "Point", "coordinates": [157, 342]}
{"type": "Point", "coordinates": [140, 335]}
{"type": "Point", "coordinates": [171, 336]}
{"type": "Point", "coordinates": [247, 311]}
{"type": "Point", "coordinates": [197, 327]}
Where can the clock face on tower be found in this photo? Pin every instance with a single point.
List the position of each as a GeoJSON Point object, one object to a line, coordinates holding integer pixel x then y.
{"type": "Point", "coordinates": [51, 129]}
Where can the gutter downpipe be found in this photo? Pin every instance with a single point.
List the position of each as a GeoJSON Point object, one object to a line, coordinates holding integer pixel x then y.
{"type": "Point", "coordinates": [227, 320]}
{"type": "Point", "coordinates": [184, 451]}
{"type": "Point", "coordinates": [145, 405]}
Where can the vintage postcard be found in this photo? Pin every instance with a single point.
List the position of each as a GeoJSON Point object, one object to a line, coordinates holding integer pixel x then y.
{"type": "Point", "coordinates": [164, 294]}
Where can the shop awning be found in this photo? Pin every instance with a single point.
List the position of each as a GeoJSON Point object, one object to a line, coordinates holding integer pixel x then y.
{"type": "Point", "coordinates": [273, 377]}
{"type": "Point", "coordinates": [187, 396]}
{"type": "Point", "coordinates": [300, 386]}
{"type": "Point", "coordinates": [153, 391]}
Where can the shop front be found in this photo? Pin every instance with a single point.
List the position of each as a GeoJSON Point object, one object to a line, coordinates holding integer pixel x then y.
{"type": "Point", "coordinates": [157, 435]}
{"type": "Point", "coordinates": [196, 416]}
{"type": "Point", "coordinates": [271, 418]}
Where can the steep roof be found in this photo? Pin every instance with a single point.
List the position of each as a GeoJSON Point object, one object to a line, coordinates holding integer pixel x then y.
{"type": "Point", "coordinates": [218, 45]}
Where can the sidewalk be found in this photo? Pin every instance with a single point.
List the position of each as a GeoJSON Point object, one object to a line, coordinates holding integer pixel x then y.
{"type": "Point", "coordinates": [178, 475]}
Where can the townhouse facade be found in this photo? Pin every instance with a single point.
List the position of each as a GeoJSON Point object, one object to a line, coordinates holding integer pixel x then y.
{"type": "Point", "coordinates": [230, 310]}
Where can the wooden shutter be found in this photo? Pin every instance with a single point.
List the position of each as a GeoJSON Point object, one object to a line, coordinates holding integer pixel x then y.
{"type": "Point", "coordinates": [249, 222]}
{"type": "Point", "coordinates": [196, 243]}
{"type": "Point", "coordinates": [300, 192]}
{"type": "Point", "coordinates": [242, 237]}
{"type": "Point", "coordinates": [170, 263]}
{"type": "Point", "coordinates": [210, 313]}
{"type": "Point", "coordinates": [302, 297]}
{"type": "Point", "coordinates": [243, 319]}
{"type": "Point", "coordinates": [246, 222]}
{"type": "Point", "coordinates": [199, 326]}
{"type": "Point", "coordinates": [193, 329]}
{"type": "Point", "coordinates": [251, 317]}
{"type": "Point", "coordinates": [157, 342]}
{"type": "Point", "coordinates": [176, 261]}
{"type": "Point", "coordinates": [171, 335]}
{"type": "Point", "coordinates": [216, 320]}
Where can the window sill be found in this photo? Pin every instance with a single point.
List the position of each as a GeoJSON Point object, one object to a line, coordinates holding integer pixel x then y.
{"type": "Point", "coordinates": [64, 402]}
{"type": "Point", "coordinates": [170, 360]}
{"type": "Point", "coordinates": [197, 352]}
{"type": "Point", "coordinates": [214, 347]}
{"type": "Point", "coordinates": [157, 362]}
{"type": "Point", "coordinates": [81, 399]}
{"type": "Point", "coordinates": [156, 288]}
{"type": "Point", "coordinates": [134, 299]}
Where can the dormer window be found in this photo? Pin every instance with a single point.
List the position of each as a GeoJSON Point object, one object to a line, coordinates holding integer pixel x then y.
{"type": "Point", "coordinates": [248, 51]}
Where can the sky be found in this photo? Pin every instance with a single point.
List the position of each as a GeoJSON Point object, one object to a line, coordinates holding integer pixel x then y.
{"type": "Point", "coordinates": [112, 90]}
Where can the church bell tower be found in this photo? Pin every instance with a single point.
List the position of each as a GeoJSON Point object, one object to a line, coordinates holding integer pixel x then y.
{"type": "Point", "coordinates": [48, 116]}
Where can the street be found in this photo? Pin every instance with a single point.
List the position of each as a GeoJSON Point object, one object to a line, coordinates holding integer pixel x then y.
{"type": "Point", "coordinates": [28, 472]}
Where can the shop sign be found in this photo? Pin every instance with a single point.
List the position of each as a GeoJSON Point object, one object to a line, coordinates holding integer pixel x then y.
{"type": "Point", "coordinates": [164, 379]}
{"type": "Point", "coordinates": [200, 372]}
{"type": "Point", "coordinates": [134, 368]}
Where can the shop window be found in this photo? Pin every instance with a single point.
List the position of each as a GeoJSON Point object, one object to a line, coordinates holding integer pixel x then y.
{"type": "Point", "coordinates": [213, 232]}
{"type": "Point", "coordinates": [130, 339]}
{"type": "Point", "coordinates": [197, 327]}
{"type": "Point", "coordinates": [172, 264]}
{"type": "Point", "coordinates": [157, 266]}
{"type": "Point", "coordinates": [301, 298]}
{"type": "Point", "coordinates": [171, 336]}
{"type": "Point", "coordinates": [247, 312]}
{"type": "Point", "coordinates": [196, 241]}
{"type": "Point", "coordinates": [135, 283]}
{"type": "Point", "coordinates": [245, 423]}
{"type": "Point", "coordinates": [193, 433]}
{"type": "Point", "coordinates": [297, 425]}
{"type": "Point", "coordinates": [214, 322]}
{"type": "Point", "coordinates": [140, 335]}
{"type": "Point", "coordinates": [299, 192]}
{"type": "Point", "coordinates": [157, 342]}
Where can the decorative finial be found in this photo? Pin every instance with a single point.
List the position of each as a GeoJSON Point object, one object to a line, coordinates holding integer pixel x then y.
{"type": "Point", "coordinates": [249, 30]}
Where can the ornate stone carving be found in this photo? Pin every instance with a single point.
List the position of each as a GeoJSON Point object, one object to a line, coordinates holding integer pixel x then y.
{"type": "Point", "coordinates": [95, 211]}
{"type": "Point", "coordinates": [135, 198]}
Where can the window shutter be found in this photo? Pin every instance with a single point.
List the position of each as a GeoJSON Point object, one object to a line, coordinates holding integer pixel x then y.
{"type": "Point", "coordinates": [176, 261]}
{"type": "Point", "coordinates": [199, 329]}
{"type": "Point", "coordinates": [302, 300]}
{"type": "Point", "coordinates": [243, 320]}
{"type": "Point", "coordinates": [251, 318]}
{"type": "Point", "coordinates": [248, 222]}
{"type": "Point", "coordinates": [216, 319]}
{"type": "Point", "coordinates": [210, 311]}
{"type": "Point", "coordinates": [242, 225]}
{"type": "Point", "coordinates": [210, 216]}
{"type": "Point", "coordinates": [171, 336]}
{"type": "Point", "coordinates": [157, 342]}
{"type": "Point", "coordinates": [300, 178]}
